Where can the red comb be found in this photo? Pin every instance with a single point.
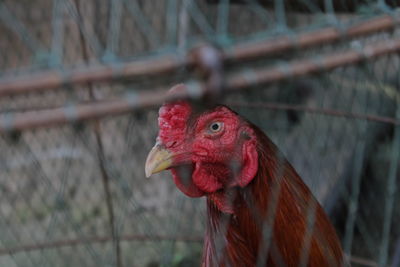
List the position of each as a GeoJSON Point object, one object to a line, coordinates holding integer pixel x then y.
{"type": "Point", "coordinates": [173, 116]}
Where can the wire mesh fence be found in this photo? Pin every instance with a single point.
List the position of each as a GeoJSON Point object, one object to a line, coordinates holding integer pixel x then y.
{"type": "Point", "coordinates": [81, 83]}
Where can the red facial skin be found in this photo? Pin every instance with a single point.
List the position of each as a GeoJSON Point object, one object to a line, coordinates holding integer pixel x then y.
{"type": "Point", "coordinates": [242, 172]}
{"type": "Point", "coordinates": [208, 162]}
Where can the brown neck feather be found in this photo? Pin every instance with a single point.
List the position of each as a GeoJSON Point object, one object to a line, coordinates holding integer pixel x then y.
{"type": "Point", "coordinates": [276, 200]}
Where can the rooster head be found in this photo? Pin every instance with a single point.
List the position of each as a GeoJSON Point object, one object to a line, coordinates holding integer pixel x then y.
{"type": "Point", "coordinates": [208, 150]}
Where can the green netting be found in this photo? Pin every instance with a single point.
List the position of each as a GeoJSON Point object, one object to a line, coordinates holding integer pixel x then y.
{"type": "Point", "coordinates": [73, 191]}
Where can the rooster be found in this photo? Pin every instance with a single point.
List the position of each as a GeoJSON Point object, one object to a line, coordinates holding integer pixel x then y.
{"type": "Point", "coordinates": [259, 211]}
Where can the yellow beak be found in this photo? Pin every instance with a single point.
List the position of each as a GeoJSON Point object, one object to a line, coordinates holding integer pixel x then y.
{"type": "Point", "coordinates": [158, 160]}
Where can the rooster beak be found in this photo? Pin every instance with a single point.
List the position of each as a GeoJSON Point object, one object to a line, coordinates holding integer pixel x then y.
{"type": "Point", "coordinates": [158, 160]}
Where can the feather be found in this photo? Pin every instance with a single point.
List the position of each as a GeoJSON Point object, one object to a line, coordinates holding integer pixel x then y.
{"type": "Point", "coordinates": [276, 199]}
{"type": "Point", "coordinates": [260, 212]}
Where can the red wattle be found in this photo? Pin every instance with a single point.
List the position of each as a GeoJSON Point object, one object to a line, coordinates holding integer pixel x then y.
{"type": "Point", "coordinates": [182, 176]}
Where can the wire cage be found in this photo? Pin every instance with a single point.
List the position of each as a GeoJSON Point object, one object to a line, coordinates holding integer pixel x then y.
{"type": "Point", "coordinates": [81, 82]}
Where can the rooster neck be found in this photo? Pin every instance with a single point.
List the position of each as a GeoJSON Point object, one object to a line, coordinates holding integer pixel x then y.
{"type": "Point", "coordinates": [228, 242]}
{"type": "Point", "coordinates": [234, 223]}
{"type": "Point", "coordinates": [276, 199]}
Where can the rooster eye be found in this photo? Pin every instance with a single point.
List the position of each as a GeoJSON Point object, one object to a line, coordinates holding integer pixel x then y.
{"type": "Point", "coordinates": [215, 127]}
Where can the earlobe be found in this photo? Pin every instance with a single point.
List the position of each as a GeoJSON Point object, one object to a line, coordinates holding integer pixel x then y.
{"type": "Point", "coordinates": [249, 163]}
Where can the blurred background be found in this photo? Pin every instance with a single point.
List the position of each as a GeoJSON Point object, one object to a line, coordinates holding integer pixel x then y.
{"type": "Point", "coordinates": [80, 86]}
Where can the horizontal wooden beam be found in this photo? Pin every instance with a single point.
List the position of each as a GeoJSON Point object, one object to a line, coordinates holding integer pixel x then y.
{"type": "Point", "coordinates": [315, 6]}
{"type": "Point", "coordinates": [235, 82]}
{"type": "Point", "coordinates": [161, 65]}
